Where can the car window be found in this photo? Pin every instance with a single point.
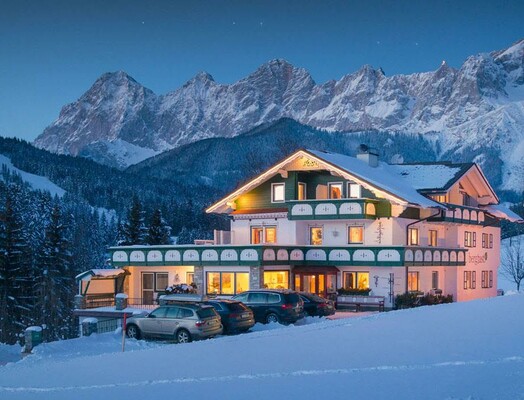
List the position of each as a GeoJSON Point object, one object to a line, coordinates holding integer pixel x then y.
{"type": "Point", "coordinates": [206, 312]}
{"type": "Point", "coordinates": [304, 299]}
{"type": "Point", "coordinates": [257, 298]}
{"type": "Point", "coordinates": [216, 306]}
{"type": "Point", "coordinates": [172, 312]}
{"type": "Point", "coordinates": [237, 307]}
{"type": "Point", "coordinates": [273, 298]}
{"type": "Point", "coordinates": [158, 313]}
{"type": "Point", "coordinates": [293, 298]}
{"type": "Point", "coordinates": [185, 313]}
{"type": "Point", "coordinates": [241, 297]}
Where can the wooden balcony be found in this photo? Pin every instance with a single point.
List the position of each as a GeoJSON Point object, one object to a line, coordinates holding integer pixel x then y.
{"type": "Point", "coordinates": [260, 255]}
{"type": "Point", "coordinates": [465, 215]}
{"type": "Point", "coordinates": [338, 209]}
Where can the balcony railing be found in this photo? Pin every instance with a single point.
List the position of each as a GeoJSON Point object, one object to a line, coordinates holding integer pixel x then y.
{"type": "Point", "coordinates": [464, 215]}
{"type": "Point", "coordinates": [257, 255]}
{"type": "Point", "coordinates": [338, 209]}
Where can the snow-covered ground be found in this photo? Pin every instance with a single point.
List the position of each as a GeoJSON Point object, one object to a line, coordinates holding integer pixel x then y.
{"type": "Point", "coordinates": [470, 350]}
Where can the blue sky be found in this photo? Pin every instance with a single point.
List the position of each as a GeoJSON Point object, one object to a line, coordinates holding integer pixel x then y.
{"type": "Point", "coordinates": [52, 51]}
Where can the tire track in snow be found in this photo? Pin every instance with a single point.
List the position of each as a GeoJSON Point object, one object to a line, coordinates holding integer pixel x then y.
{"type": "Point", "coordinates": [270, 375]}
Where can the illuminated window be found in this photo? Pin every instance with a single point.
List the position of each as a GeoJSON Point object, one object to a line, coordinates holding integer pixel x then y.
{"type": "Point", "coordinates": [413, 236]}
{"type": "Point", "coordinates": [356, 234]}
{"type": "Point", "coordinates": [271, 234]}
{"type": "Point", "coordinates": [266, 234]}
{"type": "Point", "coordinates": [315, 236]}
{"type": "Point", "coordinates": [432, 238]}
{"type": "Point", "coordinates": [335, 190]}
{"type": "Point", "coordinates": [257, 234]}
{"type": "Point", "coordinates": [470, 279]}
{"type": "Point", "coordinates": [276, 279]}
{"type": "Point", "coordinates": [354, 190]}
{"type": "Point", "coordinates": [277, 193]}
{"type": "Point", "coordinates": [441, 198]}
{"type": "Point", "coordinates": [356, 280]}
{"type": "Point", "coordinates": [227, 283]}
{"type": "Point", "coordinates": [413, 281]}
{"type": "Point", "coordinates": [161, 281]}
{"type": "Point", "coordinates": [190, 278]}
{"type": "Point", "coordinates": [301, 193]}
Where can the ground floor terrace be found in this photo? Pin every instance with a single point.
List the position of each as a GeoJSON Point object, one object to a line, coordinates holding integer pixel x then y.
{"type": "Point", "coordinates": [145, 272]}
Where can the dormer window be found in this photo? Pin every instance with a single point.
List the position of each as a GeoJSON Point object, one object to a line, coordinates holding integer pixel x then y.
{"type": "Point", "coordinates": [354, 191]}
{"type": "Point", "coordinates": [335, 190]}
{"type": "Point", "coordinates": [277, 192]}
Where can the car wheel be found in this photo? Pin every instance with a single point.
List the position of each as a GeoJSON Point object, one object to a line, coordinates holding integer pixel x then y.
{"type": "Point", "coordinates": [272, 318]}
{"type": "Point", "coordinates": [183, 336]}
{"type": "Point", "coordinates": [133, 332]}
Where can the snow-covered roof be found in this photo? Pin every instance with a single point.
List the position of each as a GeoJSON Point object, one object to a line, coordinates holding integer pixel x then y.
{"type": "Point", "coordinates": [101, 273]}
{"type": "Point", "coordinates": [499, 211]}
{"type": "Point", "coordinates": [430, 176]}
{"type": "Point", "coordinates": [382, 176]}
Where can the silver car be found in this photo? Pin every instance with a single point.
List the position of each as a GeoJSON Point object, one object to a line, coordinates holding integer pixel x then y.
{"type": "Point", "coordinates": [182, 322]}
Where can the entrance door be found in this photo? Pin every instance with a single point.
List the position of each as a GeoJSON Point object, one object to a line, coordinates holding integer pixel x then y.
{"type": "Point", "coordinates": [148, 287]}
{"type": "Point", "coordinates": [315, 282]}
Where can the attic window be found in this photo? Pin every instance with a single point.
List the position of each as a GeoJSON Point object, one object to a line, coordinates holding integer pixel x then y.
{"type": "Point", "coordinates": [277, 193]}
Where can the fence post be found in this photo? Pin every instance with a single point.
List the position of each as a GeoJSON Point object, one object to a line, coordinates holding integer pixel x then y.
{"type": "Point", "coordinates": [80, 302]}
{"type": "Point", "coordinates": [89, 326]}
{"type": "Point", "coordinates": [121, 301]}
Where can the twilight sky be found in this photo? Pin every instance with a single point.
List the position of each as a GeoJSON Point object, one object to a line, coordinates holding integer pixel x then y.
{"type": "Point", "coordinates": [52, 51]}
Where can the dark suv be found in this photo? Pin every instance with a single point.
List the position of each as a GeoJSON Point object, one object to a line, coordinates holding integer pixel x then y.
{"type": "Point", "coordinates": [271, 305]}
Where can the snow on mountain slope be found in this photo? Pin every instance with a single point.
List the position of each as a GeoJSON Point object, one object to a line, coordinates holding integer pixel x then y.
{"type": "Point", "coordinates": [476, 106]}
{"type": "Point", "coordinates": [467, 350]}
{"type": "Point", "coordinates": [37, 182]}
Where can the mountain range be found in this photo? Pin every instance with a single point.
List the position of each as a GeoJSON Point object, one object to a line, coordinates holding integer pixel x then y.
{"type": "Point", "coordinates": [474, 113]}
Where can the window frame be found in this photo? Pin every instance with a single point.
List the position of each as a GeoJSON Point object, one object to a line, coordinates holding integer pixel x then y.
{"type": "Point", "coordinates": [356, 280]}
{"type": "Point", "coordinates": [431, 233]}
{"type": "Point", "coordinates": [331, 184]}
{"type": "Point", "coordinates": [470, 239]}
{"type": "Point", "coordinates": [310, 236]}
{"type": "Point", "coordinates": [263, 229]}
{"type": "Point", "coordinates": [233, 283]}
{"type": "Point", "coordinates": [435, 279]}
{"type": "Point", "coordinates": [349, 191]}
{"type": "Point", "coordinates": [304, 185]}
{"type": "Point", "coordinates": [410, 230]}
{"type": "Point", "coordinates": [275, 185]}
{"type": "Point", "coordinates": [410, 281]}
{"type": "Point", "coordinates": [349, 233]}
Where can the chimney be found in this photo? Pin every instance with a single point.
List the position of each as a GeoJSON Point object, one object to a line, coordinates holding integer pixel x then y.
{"type": "Point", "coordinates": [368, 155]}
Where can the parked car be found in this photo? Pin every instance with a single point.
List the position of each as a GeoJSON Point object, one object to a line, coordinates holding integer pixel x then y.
{"type": "Point", "coordinates": [182, 322]}
{"type": "Point", "coordinates": [236, 317]}
{"type": "Point", "coordinates": [273, 305]}
{"type": "Point", "coordinates": [315, 305]}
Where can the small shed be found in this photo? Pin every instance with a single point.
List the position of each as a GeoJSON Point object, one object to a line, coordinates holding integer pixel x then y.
{"type": "Point", "coordinates": [99, 286]}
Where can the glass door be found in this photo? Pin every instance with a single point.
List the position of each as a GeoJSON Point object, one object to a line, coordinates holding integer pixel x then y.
{"type": "Point", "coordinates": [148, 287]}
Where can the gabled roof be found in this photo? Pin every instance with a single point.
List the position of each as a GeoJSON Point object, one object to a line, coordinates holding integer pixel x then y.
{"type": "Point", "coordinates": [381, 180]}
{"type": "Point", "coordinates": [432, 176]}
{"type": "Point", "coordinates": [107, 273]}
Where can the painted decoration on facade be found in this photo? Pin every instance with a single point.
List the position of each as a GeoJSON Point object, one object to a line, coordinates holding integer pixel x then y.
{"type": "Point", "coordinates": [445, 256]}
{"type": "Point", "coordinates": [120, 256]}
{"type": "Point", "coordinates": [350, 208]}
{"type": "Point", "coordinates": [326, 209]}
{"type": "Point", "coordinates": [465, 214]}
{"type": "Point", "coordinates": [249, 255]}
{"type": "Point", "coordinates": [481, 216]}
{"type": "Point", "coordinates": [408, 255]}
{"type": "Point", "coordinates": [388, 255]}
{"type": "Point", "coordinates": [229, 255]}
{"type": "Point", "coordinates": [154, 256]}
{"type": "Point", "coordinates": [460, 256]}
{"type": "Point", "coordinates": [191, 255]}
{"type": "Point", "coordinates": [282, 255]}
{"type": "Point", "coordinates": [302, 209]}
{"type": "Point", "coordinates": [380, 232]}
{"type": "Point", "coordinates": [269, 255]}
{"type": "Point", "coordinates": [363, 255]}
{"type": "Point", "coordinates": [209, 255]}
{"type": "Point", "coordinates": [419, 256]}
{"type": "Point", "coordinates": [427, 256]}
{"type": "Point", "coordinates": [370, 209]}
{"type": "Point", "coordinates": [137, 255]}
{"type": "Point", "coordinates": [453, 256]}
{"type": "Point", "coordinates": [458, 213]}
{"type": "Point", "coordinates": [172, 255]}
{"type": "Point", "coordinates": [297, 255]}
{"type": "Point", "coordinates": [436, 256]}
{"type": "Point", "coordinates": [339, 255]}
{"type": "Point", "coordinates": [473, 215]}
{"type": "Point", "coordinates": [316, 255]}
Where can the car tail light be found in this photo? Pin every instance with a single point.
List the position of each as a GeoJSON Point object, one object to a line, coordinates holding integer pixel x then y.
{"type": "Point", "coordinates": [200, 324]}
{"type": "Point", "coordinates": [233, 315]}
{"type": "Point", "coordinates": [323, 304]}
{"type": "Point", "coordinates": [287, 306]}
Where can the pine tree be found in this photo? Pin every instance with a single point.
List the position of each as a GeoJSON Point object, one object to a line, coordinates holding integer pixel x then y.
{"type": "Point", "coordinates": [134, 230]}
{"type": "Point", "coordinates": [159, 230]}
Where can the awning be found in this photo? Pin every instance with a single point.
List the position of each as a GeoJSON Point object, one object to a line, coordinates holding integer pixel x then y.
{"type": "Point", "coordinates": [101, 274]}
{"type": "Point", "coordinates": [321, 269]}
{"type": "Point", "coordinates": [502, 212]}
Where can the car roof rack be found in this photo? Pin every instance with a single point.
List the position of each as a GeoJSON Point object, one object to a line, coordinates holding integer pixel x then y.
{"type": "Point", "coordinates": [166, 299]}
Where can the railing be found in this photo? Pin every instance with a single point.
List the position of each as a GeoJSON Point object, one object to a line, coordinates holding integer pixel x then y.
{"type": "Point", "coordinates": [108, 325]}
{"type": "Point", "coordinates": [144, 304]}
{"type": "Point", "coordinates": [338, 209]}
{"type": "Point", "coordinates": [464, 215]}
{"type": "Point", "coordinates": [99, 300]}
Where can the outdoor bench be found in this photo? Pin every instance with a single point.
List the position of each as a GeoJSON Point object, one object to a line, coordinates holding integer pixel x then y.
{"type": "Point", "coordinates": [359, 301]}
